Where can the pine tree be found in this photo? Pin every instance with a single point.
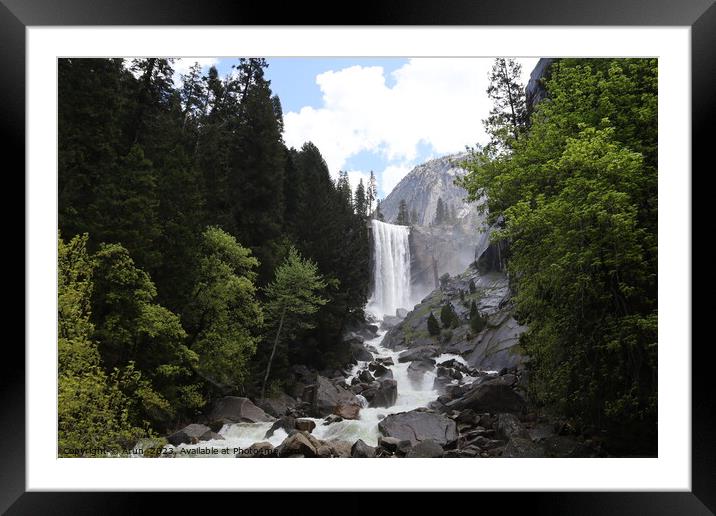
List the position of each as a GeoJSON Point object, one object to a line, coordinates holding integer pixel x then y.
{"type": "Point", "coordinates": [413, 217]}
{"type": "Point", "coordinates": [508, 117]}
{"type": "Point", "coordinates": [472, 286]}
{"type": "Point", "coordinates": [378, 212]}
{"type": "Point", "coordinates": [360, 200]}
{"type": "Point", "coordinates": [448, 317]}
{"type": "Point", "coordinates": [293, 298]}
{"type": "Point", "coordinates": [477, 322]}
{"type": "Point", "coordinates": [371, 192]}
{"type": "Point", "coordinates": [344, 187]}
{"type": "Point", "coordinates": [403, 216]}
{"type": "Point", "coordinates": [433, 326]}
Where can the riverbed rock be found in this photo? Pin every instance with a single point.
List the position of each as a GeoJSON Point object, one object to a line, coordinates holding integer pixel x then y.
{"type": "Point", "coordinates": [257, 450]}
{"type": "Point", "coordinates": [418, 353]}
{"type": "Point", "coordinates": [389, 321]}
{"type": "Point", "coordinates": [417, 426]}
{"type": "Point", "coordinates": [365, 376]}
{"type": "Point", "coordinates": [277, 406]}
{"type": "Point", "coordinates": [359, 352]}
{"type": "Point", "coordinates": [235, 409]}
{"type": "Point", "coordinates": [386, 395]}
{"type": "Point", "coordinates": [285, 423]}
{"type": "Point", "coordinates": [347, 410]}
{"type": "Point", "coordinates": [339, 448]}
{"type": "Point", "coordinates": [325, 397]}
{"type": "Point", "coordinates": [428, 448]}
{"type": "Point", "coordinates": [191, 434]}
{"type": "Point", "coordinates": [297, 443]}
{"type": "Point", "coordinates": [361, 450]}
{"type": "Point", "coordinates": [492, 396]}
{"type": "Point", "coordinates": [401, 313]}
{"type": "Point", "coordinates": [305, 425]}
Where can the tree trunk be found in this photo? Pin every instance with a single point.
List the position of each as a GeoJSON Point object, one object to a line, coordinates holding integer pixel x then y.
{"type": "Point", "coordinates": [273, 352]}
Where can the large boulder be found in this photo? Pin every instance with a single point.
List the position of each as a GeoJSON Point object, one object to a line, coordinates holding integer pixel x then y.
{"type": "Point", "coordinates": [417, 426]}
{"type": "Point", "coordinates": [426, 449]}
{"type": "Point", "coordinates": [509, 426]}
{"type": "Point", "coordinates": [278, 405]}
{"type": "Point", "coordinates": [192, 434]}
{"type": "Point", "coordinates": [359, 352]}
{"type": "Point", "coordinates": [325, 397]}
{"type": "Point", "coordinates": [361, 450]}
{"type": "Point", "coordinates": [386, 395]}
{"type": "Point", "coordinates": [285, 423]}
{"type": "Point", "coordinates": [492, 396]}
{"type": "Point", "coordinates": [298, 443]}
{"type": "Point", "coordinates": [418, 353]}
{"type": "Point", "coordinates": [235, 409]}
{"type": "Point", "coordinates": [390, 321]}
{"type": "Point", "coordinates": [402, 313]}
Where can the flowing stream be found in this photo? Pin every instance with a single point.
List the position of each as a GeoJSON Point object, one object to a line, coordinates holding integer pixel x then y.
{"type": "Point", "coordinates": [391, 291]}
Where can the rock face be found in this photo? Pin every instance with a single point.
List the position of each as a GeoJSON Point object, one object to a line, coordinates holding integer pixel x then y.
{"type": "Point", "coordinates": [234, 409]}
{"type": "Point", "coordinates": [416, 426]}
{"type": "Point", "coordinates": [535, 90]}
{"type": "Point", "coordinates": [495, 396]}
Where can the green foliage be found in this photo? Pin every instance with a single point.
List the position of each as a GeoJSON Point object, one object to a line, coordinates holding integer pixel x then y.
{"type": "Point", "coordinates": [508, 118]}
{"type": "Point", "coordinates": [444, 280]}
{"type": "Point", "coordinates": [579, 197]}
{"type": "Point", "coordinates": [292, 300]}
{"type": "Point", "coordinates": [448, 317]}
{"type": "Point", "coordinates": [224, 317]}
{"type": "Point", "coordinates": [472, 286]}
{"type": "Point", "coordinates": [433, 325]}
{"type": "Point", "coordinates": [93, 413]}
{"type": "Point", "coordinates": [477, 321]}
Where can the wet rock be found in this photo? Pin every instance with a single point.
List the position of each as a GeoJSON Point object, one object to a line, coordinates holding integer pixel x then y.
{"type": "Point", "coordinates": [305, 425]}
{"type": "Point", "coordinates": [338, 448]}
{"type": "Point", "coordinates": [401, 313]}
{"type": "Point", "coordinates": [386, 361]}
{"type": "Point", "coordinates": [191, 434]}
{"type": "Point", "coordinates": [257, 450]}
{"type": "Point", "coordinates": [365, 376]}
{"type": "Point", "coordinates": [393, 444]}
{"type": "Point", "coordinates": [380, 370]}
{"type": "Point", "coordinates": [419, 353]}
{"type": "Point", "coordinates": [298, 443]}
{"type": "Point", "coordinates": [235, 409]}
{"type": "Point", "coordinates": [347, 410]}
{"type": "Point", "coordinates": [360, 352]}
{"type": "Point", "coordinates": [386, 395]}
{"type": "Point", "coordinates": [286, 423]}
{"type": "Point", "coordinates": [362, 451]}
{"type": "Point", "coordinates": [390, 321]}
{"type": "Point", "coordinates": [425, 449]}
{"type": "Point", "coordinates": [332, 419]}
{"type": "Point", "coordinates": [417, 426]}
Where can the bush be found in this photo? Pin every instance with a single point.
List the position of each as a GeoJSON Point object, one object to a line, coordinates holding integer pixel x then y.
{"type": "Point", "coordinates": [477, 321]}
{"type": "Point", "coordinates": [433, 326]}
{"type": "Point", "coordinates": [472, 286]}
{"type": "Point", "coordinates": [446, 335]}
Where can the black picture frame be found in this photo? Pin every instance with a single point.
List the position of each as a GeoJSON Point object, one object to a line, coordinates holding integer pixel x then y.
{"type": "Point", "coordinates": [700, 15]}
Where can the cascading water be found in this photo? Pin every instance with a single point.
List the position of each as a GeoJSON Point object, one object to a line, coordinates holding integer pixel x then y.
{"type": "Point", "coordinates": [391, 273]}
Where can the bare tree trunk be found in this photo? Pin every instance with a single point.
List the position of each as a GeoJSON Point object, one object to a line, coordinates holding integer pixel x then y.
{"type": "Point", "coordinates": [273, 352]}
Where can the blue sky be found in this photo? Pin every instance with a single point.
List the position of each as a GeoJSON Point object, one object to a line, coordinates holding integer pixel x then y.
{"type": "Point", "coordinates": [382, 114]}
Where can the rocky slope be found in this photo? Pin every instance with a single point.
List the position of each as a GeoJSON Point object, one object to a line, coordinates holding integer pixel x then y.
{"type": "Point", "coordinates": [424, 185]}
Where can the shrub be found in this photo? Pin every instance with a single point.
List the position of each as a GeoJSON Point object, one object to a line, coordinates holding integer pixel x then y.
{"type": "Point", "coordinates": [433, 326]}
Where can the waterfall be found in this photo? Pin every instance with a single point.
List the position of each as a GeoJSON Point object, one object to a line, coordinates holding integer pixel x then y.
{"type": "Point", "coordinates": [391, 273]}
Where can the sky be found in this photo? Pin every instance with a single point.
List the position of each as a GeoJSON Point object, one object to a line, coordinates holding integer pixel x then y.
{"type": "Point", "coordinates": [381, 114]}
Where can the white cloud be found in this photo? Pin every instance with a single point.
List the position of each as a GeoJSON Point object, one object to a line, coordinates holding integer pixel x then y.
{"type": "Point", "coordinates": [354, 176]}
{"type": "Point", "coordinates": [437, 102]}
{"type": "Point", "coordinates": [392, 175]}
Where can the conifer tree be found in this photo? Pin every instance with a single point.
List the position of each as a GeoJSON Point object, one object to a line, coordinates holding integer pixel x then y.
{"type": "Point", "coordinates": [508, 117]}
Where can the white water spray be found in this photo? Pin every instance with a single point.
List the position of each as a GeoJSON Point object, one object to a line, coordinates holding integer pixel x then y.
{"type": "Point", "coordinates": [391, 274]}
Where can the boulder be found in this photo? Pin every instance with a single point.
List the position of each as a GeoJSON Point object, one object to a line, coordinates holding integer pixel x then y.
{"type": "Point", "coordinates": [361, 450]}
{"type": "Point", "coordinates": [402, 313]}
{"type": "Point", "coordinates": [417, 426]}
{"type": "Point", "coordinates": [565, 446]}
{"type": "Point", "coordinates": [339, 448]}
{"type": "Point", "coordinates": [359, 352]}
{"type": "Point", "coordinates": [389, 321]}
{"type": "Point", "coordinates": [332, 419]}
{"type": "Point", "coordinates": [491, 396]}
{"type": "Point", "coordinates": [365, 376]}
{"type": "Point", "coordinates": [298, 443]}
{"type": "Point", "coordinates": [508, 426]}
{"type": "Point", "coordinates": [305, 425]}
{"type": "Point", "coordinates": [419, 353]}
{"type": "Point", "coordinates": [325, 397]}
{"type": "Point", "coordinates": [386, 361]}
{"type": "Point", "coordinates": [425, 449]}
{"type": "Point", "coordinates": [257, 450]}
{"type": "Point", "coordinates": [277, 406]}
{"type": "Point", "coordinates": [347, 410]}
{"type": "Point", "coordinates": [380, 370]}
{"type": "Point", "coordinates": [286, 423]}
{"type": "Point", "coordinates": [235, 409]}
{"type": "Point", "coordinates": [522, 447]}
{"type": "Point", "coordinates": [191, 434]}
{"type": "Point", "coordinates": [386, 395]}
{"type": "Point", "coordinates": [393, 444]}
